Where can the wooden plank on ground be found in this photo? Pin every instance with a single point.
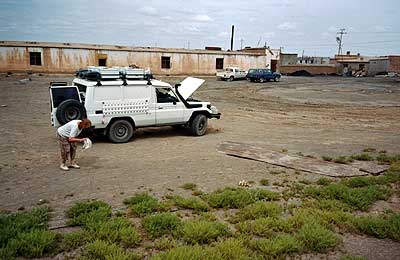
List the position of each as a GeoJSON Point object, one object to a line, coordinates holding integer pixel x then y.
{"type": "Point", "coordinates": [261, 153]}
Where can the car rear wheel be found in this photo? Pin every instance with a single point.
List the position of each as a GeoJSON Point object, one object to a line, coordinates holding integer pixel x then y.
{"type": "Point", "coordinates": [120, 131]}
{"type": "Point", "coordinates": [199, 125]}
{"type": "Point", "coordinates": [230, 78]}
{"type": "Point", "coordinates": [262, 80]}
{"type": "Point", "coordinates": [277, 79]}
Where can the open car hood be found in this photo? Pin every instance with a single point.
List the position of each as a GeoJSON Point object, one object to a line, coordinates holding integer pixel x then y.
{"type": "Point", "coordinates": [189, 86]}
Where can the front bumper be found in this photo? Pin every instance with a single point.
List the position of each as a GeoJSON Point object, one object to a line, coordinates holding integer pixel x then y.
{"type": "Point", "coordinates": [217, 115]}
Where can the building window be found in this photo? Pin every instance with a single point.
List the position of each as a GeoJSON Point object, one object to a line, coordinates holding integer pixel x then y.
{"type": "Point", "coordinates": [35, 58]}
{"type": "Point", "coordinates": [165, 62]}
{"type": "Point", "coordinates": [219, 63]}
{"type": "Point", "coordinates": [102, 62]}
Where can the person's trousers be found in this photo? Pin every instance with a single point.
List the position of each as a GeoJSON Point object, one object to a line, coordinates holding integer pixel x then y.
{"type": "Point", "coordinates": [68, 149]}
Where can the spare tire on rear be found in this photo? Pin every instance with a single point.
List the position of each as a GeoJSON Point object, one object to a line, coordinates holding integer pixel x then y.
{"type": "Point", "coordinates": [69, 110]}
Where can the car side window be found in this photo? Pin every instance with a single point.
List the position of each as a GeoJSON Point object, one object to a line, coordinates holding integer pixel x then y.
{"type": "Point", "coordinates": [165, 95]}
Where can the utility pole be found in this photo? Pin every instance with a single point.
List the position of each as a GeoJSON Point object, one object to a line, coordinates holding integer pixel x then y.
{"type": "Point", "coordinates": [339, 39]}
{"type": "Point", "coordinates": [232, 35]}
{"type": "Point", "coordinates": [241, 43]}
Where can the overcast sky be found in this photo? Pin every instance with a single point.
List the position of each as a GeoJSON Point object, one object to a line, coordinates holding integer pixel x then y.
{"type": "Point", "coordinates": [373, 26]}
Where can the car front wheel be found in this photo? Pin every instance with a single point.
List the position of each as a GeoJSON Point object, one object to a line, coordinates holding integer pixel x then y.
{"type": "Point", "coordinates": [277, 79]}
{"type": "Point", "coordinates": [120, 131]}
{"type": "Point", "coordinates": [199, 125]}
{"type": "Point", "coordinates": [262, 80]}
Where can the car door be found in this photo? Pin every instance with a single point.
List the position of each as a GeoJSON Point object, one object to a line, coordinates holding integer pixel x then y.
{"type": "Point", "coordinates": [269, 74]}
{"type": "Point", "coordinates": [169, 110]}
{"type": "Point", "coordinates": [58, 94]}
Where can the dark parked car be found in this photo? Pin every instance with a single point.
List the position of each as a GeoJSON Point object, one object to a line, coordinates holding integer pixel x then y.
{"type": "Point", "coordinates": [262, 75]}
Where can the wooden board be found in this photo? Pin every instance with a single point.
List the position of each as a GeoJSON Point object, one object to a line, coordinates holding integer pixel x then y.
{"type": "Point", "coordinates": [261, 153]}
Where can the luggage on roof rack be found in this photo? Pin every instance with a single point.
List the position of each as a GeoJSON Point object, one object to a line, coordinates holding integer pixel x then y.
{"type": "Point", "coordinates": [102, 73]}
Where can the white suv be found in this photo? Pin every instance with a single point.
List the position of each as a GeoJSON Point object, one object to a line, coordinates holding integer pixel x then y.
{"type": "Point", "coordinates": [119, 100]}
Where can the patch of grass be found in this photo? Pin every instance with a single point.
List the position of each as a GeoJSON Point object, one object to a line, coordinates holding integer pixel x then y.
{"type": "Point", "coordinates": [13, 224]}
{"type": "Point", "coordinates": [165, 243]}
{"type": "Point", "coordinates": [264, 227]}
{"type": "Point", "coordinates": [74, 240]}
{"type": "Point", "coordinates": [238, 197]}
{"type": "Point", "coordinates": [353, 258]}
{"type": "Point", "coordinates": [327, 158]}
{"type": "Point", "coordinates": [304, 181]}
{"type": "Point", "coordinates": [258, 209]}
{"type": "Point", "coordinates": [116, 230]}
{"type": "Point", "coordinates": [142, 204]}
{"type": "Point", "coordinates": [359, 198]}
{"type": "Point", "coordinates": [194, 203]}
{"type": "Point", "coordinates": [383, 226]}
{"type": "Point", "coordinates": [36, 243]}
{"type": "Point", "coordinates": [329, 204]}
{"type": "Point", "coordinates": [183, 253]}
{"type": "Point", "coordinates": [88, 211]}
{"type": "Point", "coordinates": [189, 186]}
{"type": "Point", "coordinates": [231, 249]}
{"type": "Point", "coordinates": [264, 182]}
{"type": "Point", "coordinates": [208, 216]}
{"type": "Point", "coordinates": [323, 181]}
{"type": "Point", "coordinates": [197, 193]}
{"type": "Point", "coordinates": [317, 238]}
{"type": "Point", "coordinates": [101, 250]}
{"type": "Point", "coordinates": [161, 224]}
{"type": "Point", "coordinates": [277, 172]}
{"type": "Point", "coordinates": [362, 157]}
{"type": "Point", "coordinates": [384, 158]}
{"type": "Point", "coordinates": [342, 160]}
{"type": "Point", "coordinates": [369, 150]}
{"type": "Point", "coordinates": [349, 257]}
{"type": "Point", "coordinates": [202, 232]}
{"type": "Point", "coordinates": [278, 246]}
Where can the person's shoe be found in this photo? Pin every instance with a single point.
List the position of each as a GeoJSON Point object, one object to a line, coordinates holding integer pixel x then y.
{"type": "Point", "coordinates": [64, 167]}
{"type": "Point", "coordinates": [75, 165]}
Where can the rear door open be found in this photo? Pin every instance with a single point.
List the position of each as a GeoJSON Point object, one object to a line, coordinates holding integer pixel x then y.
{"type": "Point", "coordinates": [59, 92]}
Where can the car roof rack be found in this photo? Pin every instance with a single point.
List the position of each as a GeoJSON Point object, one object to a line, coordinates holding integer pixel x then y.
{"type": "Point", "coordinates": [93, 73]}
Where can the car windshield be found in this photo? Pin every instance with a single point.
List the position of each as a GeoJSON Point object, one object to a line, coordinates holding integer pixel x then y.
{"type": "Point", "coordinates": [165, 95]}
{"type": "Point", "coordinates": [229, 70]}
{"type": "Point", "coordinates": [252, 71]}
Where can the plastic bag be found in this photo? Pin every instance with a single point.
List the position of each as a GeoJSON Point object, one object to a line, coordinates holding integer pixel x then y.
{"type": "Point", "coordinates": [87, 144]}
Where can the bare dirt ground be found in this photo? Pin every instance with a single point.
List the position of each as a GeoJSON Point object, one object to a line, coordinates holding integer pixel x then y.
{"type": "Point", "coordinates": [315, 116]}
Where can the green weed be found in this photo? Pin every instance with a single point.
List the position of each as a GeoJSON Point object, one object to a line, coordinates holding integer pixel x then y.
{"type": "Point", "coordinates": [264, 227]}
{"type": "Point", "coordinates": [75, 240]}
{"type": "Point", "coordinates": [323, 181]}
{"type": "Point", "coordinates": [317, 238]}
{"type": "Point", "coordinates": [327, 158]}
{"type": "Point", "coordinates": [143, 204]}
{"type": "Point", "coordinates": [202, 232]}
{"type": "Point", "coordinates": [89, 211]}
{"type": "Point", "coordinates": [101, 250]}
{"type": "Point", "coordinates": [258, 209]}
{"type": "Point", "coordinates": [264, 182]}
{"type": "Point", "coordinates": [238, 197]}
{"type": "Point", "coordinates": [161, 224]}
{"type": "Point", "coordinates": [362, 157]}
{"type": "Point", "coordinates": [383, 226]}
{"type": "Point", "coordinates": [194, 203]}
{"type": "Point", "coordinates": [280, 245]}
{"type": "Point", "coordinates": [36, 243]}
{"type": "Point", "coordinates": [189, 186]}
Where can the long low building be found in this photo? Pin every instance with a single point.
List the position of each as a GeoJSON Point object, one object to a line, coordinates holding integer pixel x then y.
{"type": "Point", "coordinates": [47, 57]}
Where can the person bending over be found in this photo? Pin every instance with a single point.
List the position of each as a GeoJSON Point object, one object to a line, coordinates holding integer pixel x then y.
{"type": "Point", "coordinates": [67, 137]}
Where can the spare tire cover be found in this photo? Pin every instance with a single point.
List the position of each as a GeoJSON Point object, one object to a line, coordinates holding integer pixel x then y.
{"type": "Point", "coordinates": [69, 110]}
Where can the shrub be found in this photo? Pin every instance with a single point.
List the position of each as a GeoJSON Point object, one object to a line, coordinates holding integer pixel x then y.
{"type": "Point", "coordinates": [116, 230]}
{"type": "Point", "coordinates": [264, 227]}
{"type": "Point", "coordinates": [101, 250]}
{"type": "Point", "coordinates": [143, 204]}
{"type": "Point", "coordinates": [359, 198]}
{"type": "Point", "coordinates": [264, 182]}
{"type": "Point", "coordinates": [258, 209]}
{"type": "Point", "coordinates": [238, 197]}
{"type": "Point", "coordinates": [35, 243]}
{"type": "Point", "coordinates": [75, 240]}
{"type": "Point", "coordinates": [317, 238]}
{"type": "Point", "coordinates": [202, 232]}
{"type": "Point", "coordinates": [283, 244]}
{"type": "Point", "coordinates": [231, 249]}
{"type": "Point", "coordinates": [190, 203]}
{"type": "Point", "coordinates": [208, 216]}
{"type": "Point", "coordinates": [362, 157]}
{"type": "Point", "coordinates": [183, 253]}
{"type": "Point", "coordinates": [384, 158]}
{"type": "Point", "coordinates": [165, 243]}
{"type": "Point", "coordinates": [384, 226]}
{"type": "Point", "coordinates": [327, 158]}
{"type": "Point", "coordinates": [13, 224]}
{"type": "Point", "coordinates": [323, 181]}
{"type": "Point", "coordinates": [189, 186]}
{"type": "Point", "coordinates": [89, 211]}
{"type": "Point", "coordinates": [161, 224]}
{"type": "Point", "coordinates": [342, 159]}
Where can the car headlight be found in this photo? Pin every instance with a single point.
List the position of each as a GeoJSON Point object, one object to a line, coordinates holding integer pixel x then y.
{"type": "Point", "coordinates": [214, 109]}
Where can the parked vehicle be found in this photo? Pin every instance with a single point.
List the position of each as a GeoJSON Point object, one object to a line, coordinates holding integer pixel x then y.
{"type": "Point", "coordinates": [118, 101]}
{"type": "Point", "coordinates": [262, 75]}
{"type": "Point", "coordinates": [231, 73]}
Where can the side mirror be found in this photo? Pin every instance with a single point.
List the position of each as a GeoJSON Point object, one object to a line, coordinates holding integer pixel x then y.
{"type": "Point", "coordinates": [174, 102]}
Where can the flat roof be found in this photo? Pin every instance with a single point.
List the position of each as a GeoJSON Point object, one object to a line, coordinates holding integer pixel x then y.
{"type": "Point", "coordinates": [105, 47]}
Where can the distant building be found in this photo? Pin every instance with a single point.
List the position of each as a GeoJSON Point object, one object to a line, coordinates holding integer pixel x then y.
{"type": "Point", "coordinates": [272, 56]}
{"type": "Point", "coordinates": [384, 65]}
{"type": "Point", "coordinates": [20, 56]}
{"type": "Point", "coordinates": [351, 62]}
{"type": "Point", "coordinates": [313, 60]}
